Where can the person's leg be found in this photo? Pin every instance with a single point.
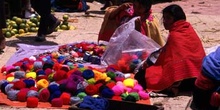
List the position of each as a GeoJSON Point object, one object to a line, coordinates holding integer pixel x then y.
{"type": "Point", "coordinates": [2, 25]}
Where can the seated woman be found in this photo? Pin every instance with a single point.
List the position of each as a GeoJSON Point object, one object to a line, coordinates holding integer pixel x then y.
{"type": "Point", "coordinates": [179, 61]}
{"type": "Point", "coordinates": [147, 24]}
{"type": "Point", "coordinates": [206, 95]}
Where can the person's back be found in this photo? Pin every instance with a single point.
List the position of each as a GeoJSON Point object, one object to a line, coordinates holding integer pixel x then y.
{"type": "Point", "coordinates": [147, 24]}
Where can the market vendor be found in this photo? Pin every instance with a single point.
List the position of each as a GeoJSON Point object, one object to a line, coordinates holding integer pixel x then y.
{"type": "Point", "coordinates": [179, 61]}
{"type": "Point", "coordinates": [147, 24]}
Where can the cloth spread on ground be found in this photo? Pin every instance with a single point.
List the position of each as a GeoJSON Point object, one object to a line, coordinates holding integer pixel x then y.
{"type": "Point", "coordinates": [181, 58]}
{"type": "Point", "coordinates": [110, 25]}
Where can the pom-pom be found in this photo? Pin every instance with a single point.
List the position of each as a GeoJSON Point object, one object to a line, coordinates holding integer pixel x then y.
{"type": "Point", "coordinates": [55, 94]}
{"type": "Point", "coordinates": [43, 83]}
{"type": "Point", "coordinates": [2, 81]}
{"type": "Point", "coordinates": [135, 95]}
{"type": "Point", "coordinates": [91, 89]}
{"type": "Point", "coordinates": [116, 98]}
{"type": "Point", "coordinates": [12, 95]}
{"type": "Point", "coordinates": [130, 98]}
{"type": "Point", "coordinates": [40, 72]}
{"type": "Point", "coordinates": [38, 65]}
{"type": "Point", "coordinates": [112, 75]}
{"type": "Point", "coordinates": [119, 79]}
{"type": "Point", "coordinates": [48, 71]}
{"type": "Point", "coordinates": [137, 88]}
{"type": "Point", "coordinates": [65, 68]}
{"type": "Point", "coordinates": [31, 75]}
{"type": "Point", "coordinates": [22, 95]}
{"type": "Point", "coordinates": [32, 93]}
{"type": "Point", "coordinates": [3, 87]}
{"type": "Point", "coordinates": [29, 82]}
{"type": "Point", "coordinates": [129, 82]}
{"type": "Point", "coordinates": [107, 93]}
{"type": "Point", "coordinates": [32, 102]}
{"type": "Point", "coordinates": [143, 95]}
{"type": "Point", "coordinates": [91, 81]}
{"type": "Point", "coordinates": [19, 85]}
{"type": "Point", "coordinates": [81, 95]}
{"type": "Point", "coordinates": [59, 75]}
{"type": "Point", "coordinates": [66, 98]}
{"type": "Point", "coordinates": [44, 95]}
{"type": "Point", "coordinates": [87, 74]}
{"type": "Point", "coordinates": [52, 88]}
{"type": "Point", "coordinates": [8, 88]}
{"type": "Point", "coordinates": [110, 85]}
{"type": "Point", "coordinates": [74, 100]}
{"type": "Point", "coordinates": [118, 89]}
{"type": "Point", "coordinates": [10, 69]}
{"type": "Point", "coordinates": [19, 74]}
{"type": "Point", "coordinates": [57, 102]}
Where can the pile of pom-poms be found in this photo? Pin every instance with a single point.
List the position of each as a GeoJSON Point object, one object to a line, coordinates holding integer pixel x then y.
{"type": "Point", "coordinates": [62, 84]}
{"type": "Point", "coordinates": [130, 60]}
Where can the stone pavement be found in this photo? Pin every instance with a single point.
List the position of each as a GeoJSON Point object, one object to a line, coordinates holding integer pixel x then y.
{"type": "Point", "coordinates": [202, 14]}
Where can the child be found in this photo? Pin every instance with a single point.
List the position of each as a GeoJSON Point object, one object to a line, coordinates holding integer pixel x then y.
{"type": "Point", "coordinates": [147, 24]}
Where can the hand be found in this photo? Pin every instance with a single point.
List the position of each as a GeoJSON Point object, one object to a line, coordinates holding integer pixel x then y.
{"type": "Point", "coordinates": [138, 24]}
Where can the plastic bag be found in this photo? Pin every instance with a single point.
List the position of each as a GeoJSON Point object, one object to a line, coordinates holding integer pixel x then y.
{"type": "Point", "coordinates": [128, 47]}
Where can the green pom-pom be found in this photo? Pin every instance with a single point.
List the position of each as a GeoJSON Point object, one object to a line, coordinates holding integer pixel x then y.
{"type": "Point", "coordinates": [81, 95]}
{"type": "Point", "coordinates": [91, 81]}
{"type": "Point", "coordinates": [135, 95]}
{"type": "Point", "coordinates": [111, 75]}
{"type": "Point", "coordinates": [123, 96]}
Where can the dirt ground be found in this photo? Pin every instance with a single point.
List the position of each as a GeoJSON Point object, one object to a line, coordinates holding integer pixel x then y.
{"type": "Point", "coordinates": [202, 14]}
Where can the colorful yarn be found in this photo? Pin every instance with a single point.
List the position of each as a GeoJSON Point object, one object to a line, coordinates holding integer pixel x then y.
{"type": "Point", "coordinates": [82, 85]}
{"type": "Point", "coordinates": [118, 89]}
{"type": "Point", "coordinates": [19, 74]}
{"type": "Point", "coordinates": [135, 95]}
{"type": "Point", "coordinates": [48, 71]}
{"type": "Point", "coordinates": [137, 88]}
{"type": "Point", "coordinates": [130, 98]}
{"type": "Point", "coordinates": [40, 72]}
{"type": "Point", "coordinates": [116, 98]}
{"type": "Point", "coordinates": [32, 93]}
{"type": "Point", "coordinates": [110, 84]}
{"type": "Point", "coordinates": [41, 77]}
{"type": "Point", "coordinates": [91, 89]}
{"type": "Point", "coordinates": [44, 95]}
{"type": "Point", "coordinates": [143, 95]}
{"type": "Point", "coordinates": [66, 98]}
{"type": "Point", "coordinates": [94, 103]}
{"type": "Point", "coordinates": [19, 85]}
{"type": "Point", "coordinates": [43, 83]}
{"type": "Point", "coordinates": [129, 82]}
{"type": "Point", "coordinates": [57, 102]}
{"type": "Point", "coordinates": [65, 68]}
{"type": "Point", "coordinates": [107, 93]}
{"type": "Point", "coordinates": [119, 79]}
{"type": "Point", "coordinates": [32, 102]}
{"type": "Point", "coordinates": [31, 75]}
{"type": "Point", "coordinates": [10, 79]}
{"type": "Point", "coordinates": [12, 95]}
{"type": "Point", "coordinates": [87, 74]}
{"type": "Point", "coordinates": [2, 81]}
{"type": "Point", "coordinates": [91, 81]}
{"type": "Point", "coordinates": [55, 94]}
{"type": "Point", "coordinates": [59, 75]}
{"type": "Point", "coordinates": [52, 88]}
{"type": "Point", "coordinates": [74, 100]}
{"type": "Point", "coordinates": [22, 95]}
{"type": "Point", "coordinates": [8, 87]}
{"type": "Point", "coordinates": [71, 86]}
{"type": "Point", "coordinates": [38, 65]}
{"type": "Point", "coordinates": [112, 75]}
{"type": "Point", "coordinates": [29, 82]}
{"type": "Point", "coordinates": [81, 95]}
{"type": "Point", "coordinates": [3, 87]}
{"type": "Point", "coordinates": [10, 69]}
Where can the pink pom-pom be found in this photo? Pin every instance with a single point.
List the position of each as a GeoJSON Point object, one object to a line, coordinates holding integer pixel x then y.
{"type": "Point", "coordinates": [128, 89]}
{"type": "Point", "coordinates": [137, 88]}
{"type": "Point", "coordinates": [134, 57]}
{"type": "Point", "coordinates": [118, 90]}
{"type": "Point", "coordinates": [143, 95]}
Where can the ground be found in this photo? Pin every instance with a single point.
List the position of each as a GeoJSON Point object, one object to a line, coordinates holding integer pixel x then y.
{"type": "Point", "coordinates": [202, 14]}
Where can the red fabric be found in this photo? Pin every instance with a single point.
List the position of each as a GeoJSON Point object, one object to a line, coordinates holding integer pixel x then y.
{"type": "Point", "coordinates": [181, 58]}
{"type": "Point", "coordinates": [204, 83]}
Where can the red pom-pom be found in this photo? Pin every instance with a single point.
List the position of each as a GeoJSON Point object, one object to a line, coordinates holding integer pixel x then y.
{"type": "Point", "coordinates": [33, 88]}
{"type": "Point", "coordinates": [48, 71]}
{"type": "Point", "coordinates": [19, 85]}
{"type": "Point", "coordinates": [57, 102]}
{"type": "Point", "coordinates": [22, 95]}
{"type": "Point", "coordinates": [91, 89]}
{"type": "Point", "coordinates": [117, 98]}
{"type": "Point", "coordinates": [3, 69]}
{"type": "Point", "coordinates": [66, 98]}
{"type": "Point", "coordinates": [59, 75]}
{"type": "Point", "coordinates": [110, 85]}
{"type": "Point", "coordinates": [32, 102]}
{"type": "Point", "coordinates": [41, 77]}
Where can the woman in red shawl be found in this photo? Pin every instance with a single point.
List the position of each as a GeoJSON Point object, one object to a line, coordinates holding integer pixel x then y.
{"type": "Point", "coordinates": [179, 61]}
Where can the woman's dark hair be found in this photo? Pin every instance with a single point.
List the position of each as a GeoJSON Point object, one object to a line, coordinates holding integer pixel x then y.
{"type": "Point", "coordinates": [176, 11]}
{"type": "Point", "coordinates": [146, 3]}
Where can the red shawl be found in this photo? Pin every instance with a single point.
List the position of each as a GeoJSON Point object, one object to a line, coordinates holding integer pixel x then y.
{"type": "Point", "coordinates": [181, 58]}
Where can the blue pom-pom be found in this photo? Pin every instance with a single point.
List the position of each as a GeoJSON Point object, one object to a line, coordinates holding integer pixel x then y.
{"type": "Point", "coordinates": [53, 88]}
{"type": "Point", "coordinates": [55, 94]}
{"type": "Point", "coordinates": [19, 74]}
{"type": "Point", "coordinates": [107, 93]}
{"type": "Point", "coordinates": [29, 83]}
{"type": "Point", "coordinates": [87, 74]}
{"type": "Point", "coordinates": [60, 59]}
{"type": "Point", "coordinates": [40, 72]}
{"type": "Point", "coordinates": [3, 87]}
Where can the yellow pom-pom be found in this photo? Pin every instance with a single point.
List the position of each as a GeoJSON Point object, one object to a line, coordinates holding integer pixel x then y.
{"type": "Point", "coordinates": [10, 79]}
{"type": "Point", "coordinates": [91, 81]}
{"type": "Point", "coordinates": [31, 75]}
{"type": "Point", "coordinates": [43, 83]}
{"type": "Point", "coordinates": [95, 95]}
{"type": "Point", "coordinates": [107, 79]}
{"type": "Point", "coordinates": [129, 82]}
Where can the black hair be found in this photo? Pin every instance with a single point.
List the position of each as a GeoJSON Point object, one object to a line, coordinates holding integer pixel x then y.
{"type": "Point", "coordinates": [146, 3]}
{"type": "Point", "coordinates": [176, 11]}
